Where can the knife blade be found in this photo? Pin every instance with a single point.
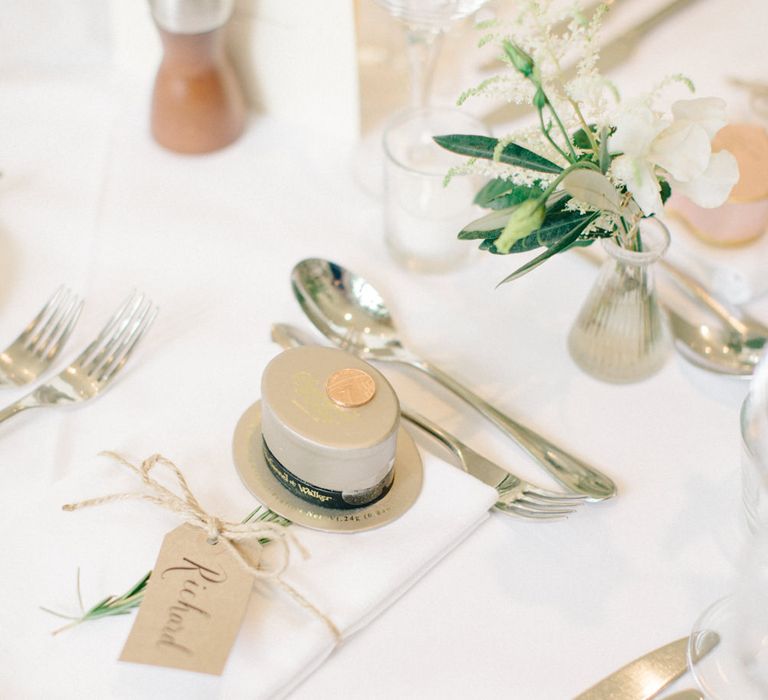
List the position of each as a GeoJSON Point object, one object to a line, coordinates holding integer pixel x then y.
{"type": "Point", "coordinates": [647, 676]}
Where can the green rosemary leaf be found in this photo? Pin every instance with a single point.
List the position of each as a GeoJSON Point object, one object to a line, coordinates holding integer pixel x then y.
{"type": "Point", "coordinates": [131, 599]}
{"type": "Point", "coordinates": [140, 586]}
{"type": "Point", "coordinates": [103, 604]}
{"type": "Point", "coordinates": [58, 614]}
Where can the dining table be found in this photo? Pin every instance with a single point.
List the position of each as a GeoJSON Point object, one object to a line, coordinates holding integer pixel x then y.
{"type": "Point", "coordinates": [517, 608]}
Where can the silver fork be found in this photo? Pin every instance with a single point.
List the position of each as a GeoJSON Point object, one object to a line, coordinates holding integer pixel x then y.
{"type": "Point", "coordinates": [516, 496]}
{"type": "Point", "coordinates": [95, 368]}
{"type": "Point", "coordinates": [40, 343]}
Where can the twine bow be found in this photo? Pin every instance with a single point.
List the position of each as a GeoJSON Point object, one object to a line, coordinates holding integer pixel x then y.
{"type": "Point", "coordinates": [218, 530]}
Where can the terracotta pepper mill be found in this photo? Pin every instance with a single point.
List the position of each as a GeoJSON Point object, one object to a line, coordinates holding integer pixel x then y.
{"type": "Point", "coordinates": [197, 103]}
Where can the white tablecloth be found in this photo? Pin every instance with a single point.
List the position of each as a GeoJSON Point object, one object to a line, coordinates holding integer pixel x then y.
{"type": "Point", "coordinates": [520, 609]}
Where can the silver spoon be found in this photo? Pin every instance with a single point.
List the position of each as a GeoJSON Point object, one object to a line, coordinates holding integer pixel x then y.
{"type": "Point", "coordinates": [351, 313]}
{"type": "Point", "coordinates": [714, 349]}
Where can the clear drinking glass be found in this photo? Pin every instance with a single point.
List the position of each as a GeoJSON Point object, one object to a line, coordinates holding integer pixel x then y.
{"type": "Point", "coordinates": [737, 667]}
{"type": "Point", "coordinates": [620, 334]}
{"type": "Point", "coordinates": [421, 214]}
{"type": "Point", "coordinates": [754, 455]}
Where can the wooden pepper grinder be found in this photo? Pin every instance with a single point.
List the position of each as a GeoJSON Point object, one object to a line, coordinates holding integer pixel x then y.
{"type": "Point", "coordinates": [197, 103]}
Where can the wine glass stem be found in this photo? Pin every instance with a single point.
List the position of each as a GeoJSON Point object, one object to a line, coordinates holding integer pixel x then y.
{"type": "Point", "coordinates": [423, 45]}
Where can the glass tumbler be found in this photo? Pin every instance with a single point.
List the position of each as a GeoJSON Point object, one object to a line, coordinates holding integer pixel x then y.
{"type": "Point", "coordinates": [754, 454]}
{"type": "Point", "coordinates": [728, 647]}
{"type": "Point", "coordinates": [423, 215]}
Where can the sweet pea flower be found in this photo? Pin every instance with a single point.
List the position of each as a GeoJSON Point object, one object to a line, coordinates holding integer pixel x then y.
{"type": "Point", "coordinates": [680, 151]}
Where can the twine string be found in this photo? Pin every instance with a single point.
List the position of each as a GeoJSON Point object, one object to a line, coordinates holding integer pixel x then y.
{"type": "Point", "coordinates": [218, 530]}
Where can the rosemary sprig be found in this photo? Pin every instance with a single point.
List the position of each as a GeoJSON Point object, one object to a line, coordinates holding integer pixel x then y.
{"type": "Point", "coordinates": [131, 599]}
{"type": "Point", "coordinates": [111, 605]}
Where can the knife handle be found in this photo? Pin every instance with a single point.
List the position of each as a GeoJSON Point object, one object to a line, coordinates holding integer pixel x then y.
{"type": "Point", "coordinates": [573, 473]}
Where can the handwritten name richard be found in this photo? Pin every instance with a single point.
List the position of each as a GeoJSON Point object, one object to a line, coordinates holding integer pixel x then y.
{"type": "Point", "coordinates": [190, 602]}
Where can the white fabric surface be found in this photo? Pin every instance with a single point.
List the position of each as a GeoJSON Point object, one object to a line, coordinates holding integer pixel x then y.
{"type": "Point", "coordinates": [351, 578]}
{"type": "Point", "coordinates": [520, 609]}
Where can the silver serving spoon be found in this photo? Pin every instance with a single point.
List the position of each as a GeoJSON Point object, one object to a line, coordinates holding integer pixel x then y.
{"type": "Point", "coordinates": [351, 313]}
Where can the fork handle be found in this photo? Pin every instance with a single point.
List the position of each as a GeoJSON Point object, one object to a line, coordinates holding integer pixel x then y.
{"type": "Point", "coordinates": [22, 404]}
{"type": "Point", "coordinates": [573, 473]}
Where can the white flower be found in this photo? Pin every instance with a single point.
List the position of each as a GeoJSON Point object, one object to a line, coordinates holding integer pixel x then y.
{"type": "Point", "coordinates": [680, 151]}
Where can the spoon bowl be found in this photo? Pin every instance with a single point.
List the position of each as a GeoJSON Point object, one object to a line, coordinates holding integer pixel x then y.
{"type": "Point", "coordinates": [351, 313]}
{"type": "Point", "coordinates": [346, 308]}
{"type": "Point", "coordinates": [714, 349]}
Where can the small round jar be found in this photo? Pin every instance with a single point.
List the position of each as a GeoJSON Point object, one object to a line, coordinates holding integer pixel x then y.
{"type": "Point", "coordinates": [329, 426]}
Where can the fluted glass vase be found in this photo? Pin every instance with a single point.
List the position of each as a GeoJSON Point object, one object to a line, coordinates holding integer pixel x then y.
{"type": "Point", "coordinates": [620, 334]}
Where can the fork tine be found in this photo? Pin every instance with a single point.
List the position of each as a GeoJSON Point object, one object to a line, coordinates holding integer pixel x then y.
{"type": "Point", "coordinates": [539, 508]}
{"type": "Point", "coordinates": [514, 509]}
{"type": "Point", "coordinates": [555, 496]}
{"type": "Point", "coordinates": [122, 331]}
{"type": "Point", "coordinates": [37, 340]}
{"type": "Point", "coordinates": [31, 333]}
{"type": "Point", "coordinates": [126, 349]}
{"type": "Point", "coordinates": [61, 334]}
{"type": "Point", "coordinates": [555, 499]}
{"type": "Point", "coordinates": [516, 488]}
{"type": "Point", "coordinates": [53, 324]}
{"type": "Point", "coordinates": [112, 326]}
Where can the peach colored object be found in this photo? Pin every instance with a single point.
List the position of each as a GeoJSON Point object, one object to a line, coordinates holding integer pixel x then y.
{"type": "Point", "coordinates": [197, 103]}
{"type": "Point", "coordinates": [744, 217]}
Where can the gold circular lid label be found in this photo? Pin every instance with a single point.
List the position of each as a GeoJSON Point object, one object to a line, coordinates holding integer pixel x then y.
{"type": "Point", "coordinates": [350, 387]}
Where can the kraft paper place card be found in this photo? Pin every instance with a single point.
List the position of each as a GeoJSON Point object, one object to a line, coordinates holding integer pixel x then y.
{"type": "Point", "coordinates": [193, 606]}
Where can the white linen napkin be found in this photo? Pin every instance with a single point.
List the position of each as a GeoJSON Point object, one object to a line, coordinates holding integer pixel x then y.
{"type": "Point", "coordinates": [351, 578]}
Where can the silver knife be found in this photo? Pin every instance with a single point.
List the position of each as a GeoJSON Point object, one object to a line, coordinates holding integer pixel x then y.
{"type": "Point", "coordinates": [647, 676]}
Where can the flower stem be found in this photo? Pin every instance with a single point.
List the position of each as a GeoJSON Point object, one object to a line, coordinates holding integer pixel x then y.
{"type": "Point", "coordinates": [559, 123]}
{"type": "Point", "coordinates": [578, 165]}
{"type": "Point", "coordinates": [546, 133]}
{"type": "Point", "coordinates": [585, 126]}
